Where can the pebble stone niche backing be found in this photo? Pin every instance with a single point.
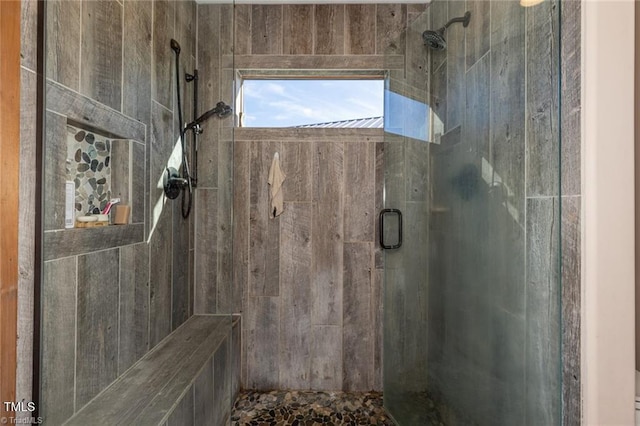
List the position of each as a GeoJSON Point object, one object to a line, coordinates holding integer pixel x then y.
{"type": "Point", "coordinates": [88, 166]}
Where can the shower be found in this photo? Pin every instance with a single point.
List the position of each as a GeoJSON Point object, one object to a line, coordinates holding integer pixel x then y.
{"type": "Point", "coordinates": [435, 39]}
{"type": "Point", "coordinates": [174, 183]}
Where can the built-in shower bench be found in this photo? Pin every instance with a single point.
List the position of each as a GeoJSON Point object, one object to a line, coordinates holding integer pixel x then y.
{"type": "Point", "coordinates": [162, 381]}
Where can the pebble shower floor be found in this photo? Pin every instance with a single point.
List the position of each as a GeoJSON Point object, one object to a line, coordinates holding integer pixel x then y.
{"type": "Point", "coordinates": [308, 408]}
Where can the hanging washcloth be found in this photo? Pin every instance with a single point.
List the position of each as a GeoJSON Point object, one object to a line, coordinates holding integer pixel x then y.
{"type": "Point", "coordinates": [276, 178]}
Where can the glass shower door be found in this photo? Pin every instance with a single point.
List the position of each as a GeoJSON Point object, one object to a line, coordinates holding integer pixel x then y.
{"type": "Point", "coordinates": [472, 324]}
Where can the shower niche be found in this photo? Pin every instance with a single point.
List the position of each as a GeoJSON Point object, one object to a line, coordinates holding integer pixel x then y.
{"type": "Point", "coordinates": [94, 154]}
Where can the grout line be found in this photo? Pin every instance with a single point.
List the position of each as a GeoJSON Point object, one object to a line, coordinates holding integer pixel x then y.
{"type": "Point", "coordinates": [75, 346]}
{"type": "Point", "coordinates": [118, 372]}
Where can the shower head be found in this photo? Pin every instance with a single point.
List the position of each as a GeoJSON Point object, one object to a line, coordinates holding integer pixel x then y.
{"type": "Point", "coordinates": [221, 109]}
{"type": "Point", "coordinates": [435, 39]}
{"type": "Point", "coordinates": [175, 46]}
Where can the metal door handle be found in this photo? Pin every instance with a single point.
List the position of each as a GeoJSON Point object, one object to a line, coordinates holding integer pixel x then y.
{"type": "Point", "coordinates": [384, 212]}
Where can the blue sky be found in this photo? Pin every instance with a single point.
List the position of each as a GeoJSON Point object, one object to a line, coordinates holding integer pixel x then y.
{"type": "Point", "coordinates": [285, 103]}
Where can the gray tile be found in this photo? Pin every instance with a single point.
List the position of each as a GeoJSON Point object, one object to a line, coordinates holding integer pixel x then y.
{"type": "Point", "coordinates": [360, 19]}
{"type": "Point", "coordinates": [359, 195]}
{"type": "Point", "coordinates": [543, 144]}
{"type": "Point", "coordinates": [262, 343]}
{"type": "Point", "coordinates": [184, 413]}
{"type": "Point", "coordinates": [101, 66]}
{"type": "Point", "coordinates": [179, 271]}
{"type": "Point", "coordinates": [326, 360]}
{"type": "Point", "coordinates": [163, 83]}
{"type": "Point", "coordinates": [28, 34]}
{"type": "Point", "coordinates": [160, 279]}
{"type": "Point", "coordinates": [571, 302]}
{"type": "Point", "coordinates": [203, 396]}
{"type": "Point", "coordinates": [264, 231]}
{"type": "Point", "coordinates": [134, 305]}
{"type": "Point", "coordinates": [222, 382]}
{"type": "Point", "coordinates": [329, 29]}
{"type": "Point", "coordinates": [206, 252]}
{"type": "Point", "coordinates": [477, 33]}
{"type": "Point", "coordinates": [391, 21]}
{"type": "Point", "coordinates": [295, 311]}
{"type": "Point", "coordinates": [63, 42]}
{"type": "Point", "coordinates": [358, 331]}
{"type": "Point", "coordinates": [298, 29]}
{"type": "Point", "coordinates": [328, 234]}
{"type": "Point", "coordinates": [97, 340]}
{"type": "Point", "coordinates": [136, 72]}
{"type": "Point", "coordinates": [58, 335]}
{"type": "Point", "coordinates": [55, 172]}
{"type": "Point", "coordinates": [543, 351]}
{"type": "Point", "coordinates": [266, 29]}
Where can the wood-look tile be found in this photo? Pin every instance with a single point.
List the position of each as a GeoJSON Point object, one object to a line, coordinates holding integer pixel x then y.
{"type": "Point", "coordinates": [97, 339]}
{"type": "Point", "coordinates": [477, 33]}
{"type": "Point", "coordinates": [326, 357]}
{"type": "Point", "coordinates": [359, 34]}
{"type": "Point", "coordinates": [298, 29]}
{"type": "Point", "coordinates": [120, 170]}
{"type": "Point", "coordinates": [358, 337]}
{"type": "Point", "coordinates": [28, 34]}
{"type": "Point", "coordinates": [571, 302]}
{"type": "Point", "coordinates": [58, 330]}
{"type": "Point", "coordinates": [134, 305]}
{"type": "Point", "coordinates": [224, 229]}
{"type": "Point", "coordinates": [203, 396]}
{"type": "Point", "coordinates": [391, 21]}
{"type": "Point", "coordinates": [63, 42]}
{"type": "Point", "coordinates": [507, 130]}
{"type": "Point", "coordinates": [571, 97]}
{"type": "Point", "coordinates": [222, 401]}
{"type": "Point", "coordinates": [543, 350]}
{"type": "Point", "coordinates": [206, 251]}
{"type": "Point", "coordinates": [82, 109]}
{"type": "Point", "coordinates": [209, 71]}
{"type": "Point", "coordinates": [328, 232]}
{"type": "Point", "coordinates": [72, 242]}
{"type": "Point", "coordinates": [377, 310]}
{"type": "Point", "coordinates": [329, 29]}
{"type": "Point", "coordinates": [242, 35]}
{"type": "Point", "coordinates": [296, 161]}
{"type": "Point", "coordinates": [163, 83]}
{"type": "Point", "coordinates": [26, 229]}
{"type": "Point", "coordinates": [136, 71]}
{"type": "Point", "coordinates": [262, 344]}
{"type": "Point", "coordinates": [101, 66]}
{"type": "Point", "coordinates": [55, 156]}
{"type": "Point", "coordinates": [359, 195]}
{"type": "Point", "coordinates": [139, 176]}
{"type": "Point", "coordinates": [241, 182]}
{"type": "Point", "coordinates": [160, 279]}
{"type": "Point", "coordinates": [455, 67]}
{"type": "Point", "coordinates": [184, 413]}
{"type": "Point", "coordinates": [439, 11]}
{"type": "Point", "coordinates": [295, 311]}
{"type": "Point", "coordinates": [542, 131]}
{"type": "Point", "coordinates": [266, 29]}
{"type": "Point", "coordinates": [264, 232]}
{"type": "Point", "coordinates": [379, 202]}
{"type": "Point", "coordinates": [476, 120]}
{"type": "Point", "coordinates": [180, 293]}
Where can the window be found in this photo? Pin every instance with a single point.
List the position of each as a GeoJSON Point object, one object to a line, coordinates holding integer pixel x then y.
{"type": "Point", "coordinates": [312, 103]}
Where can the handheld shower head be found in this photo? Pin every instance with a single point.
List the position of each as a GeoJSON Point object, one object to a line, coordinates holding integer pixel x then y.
{"type": "Point", "coordinates": [221, 109]}
{"type": "Point", "coordinates": [175, 46]}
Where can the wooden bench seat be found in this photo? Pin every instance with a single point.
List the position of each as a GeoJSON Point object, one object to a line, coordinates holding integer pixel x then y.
{"type": "Point", "coordinates": [150, 391]}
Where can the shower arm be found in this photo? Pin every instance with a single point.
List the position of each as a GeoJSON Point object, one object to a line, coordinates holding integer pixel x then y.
{"type": "Point", "coordinates": [464, 19]}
